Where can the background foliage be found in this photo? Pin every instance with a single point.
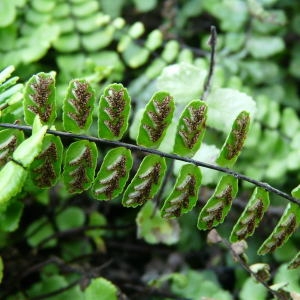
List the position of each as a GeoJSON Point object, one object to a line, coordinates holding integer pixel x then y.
{"type": "Point", "coordinates": [66, 242]}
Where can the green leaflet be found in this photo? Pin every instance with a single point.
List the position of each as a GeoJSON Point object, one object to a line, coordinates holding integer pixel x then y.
{"type": "Point", "coordinates": [101, 286]}
{"type": "Point", "coordinates": [114, 110]}
{"type": "Point", "coordinates": [251, 216]}
{"type": "Point", "coordinates": [153, 228]}
{"type": "Point", "coordinates": [113, 174]}
{"type": "Point", "coordinates": [30, 148]}
{"type": "Point", "coordinates": [39, 98]}
{"type": "Point", "coordinates": [146, 181]}
{"type": "Point", "coordinates": [295, 263]}
{"type": "Point", "coordinates": [46, 167]}
{"type": "Point", "coordinates": [235, 140]}
{"type": "Point", "coordinates": [9, 221]}
{"type": "Point", "coordinates": [12, 178]}
{"type": "Point", "coordinates": [287, 224]}
{"type": "Point", "coordinates": [185, 192]}
{"type": "Point", "coordinates": [9, 140]}
{"type": "Point", "coordinates": [219, 204]}
{"type": "Point", "coordinates": [156, 119]}
{"type": "Point", "coordinates": [79, 166]}
{"type": "Point", "coordinates": [190, 129]}
{"type": "Point", "coordinates": [78, 106]}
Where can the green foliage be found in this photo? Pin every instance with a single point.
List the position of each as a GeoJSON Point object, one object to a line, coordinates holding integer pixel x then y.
{"type": "Point", "coordinates": [90, 45]}
{"type": "Point", "coordinates": [103, 287]}
{"type": "Point", "coordinates": [154, 229]}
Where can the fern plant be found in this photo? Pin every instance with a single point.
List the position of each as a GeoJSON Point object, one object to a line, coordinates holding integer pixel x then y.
{"type": "Point", "coordinates": [40, 157]}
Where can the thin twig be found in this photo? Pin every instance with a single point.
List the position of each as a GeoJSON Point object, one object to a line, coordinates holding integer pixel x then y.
{"type": "Point", "coordinates": [247, 268]}
{"type": "Point", "coordinates": [212, 43]}
{"type": "Point", "coordinates": [74, 231]}
{"type": "Point", "coordinates": [233, 173]}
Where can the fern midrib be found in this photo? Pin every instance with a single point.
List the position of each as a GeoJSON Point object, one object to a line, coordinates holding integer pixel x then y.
{"type": "Point", "coordinates": [133, 147]}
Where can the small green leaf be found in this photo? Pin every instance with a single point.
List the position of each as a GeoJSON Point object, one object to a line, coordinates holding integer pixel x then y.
{"type": "Point", "coordinates": [113, 174]}
{"type": "Point", "coordinates": [265, 46]}
{"type": "Point", "coordinates": [1, 269]}
{"type": "Point", "coordinates": [156, 119]}
{"type": "Point", "coordinates": [219, 204]}
{"type": "Point", "coordinates": [79, 166]}
{"type": "Point", "coordinates": [178, 77]}
{"type": "Point", "coordinates": [101, 286]}
{"type": "Point", "coordinates": [114, 110]}
{"type": "Point", "coordinates": [190, 129]}
{"type": "Point", "coordinates": [225, 104]}
{"type": "Point", "coordinates": [251, 216]}
{"type": "Point", "coordinates": [7, 12]}
{"type": "Point", "coordinates": [154, 229]}
{"type": "Point", "coordinates": [71, 217]}
{"type": "Point", "coordinates": [9, 140]}
{"type": "Point", "coordinates": [146, 181]}
{"type": "Point", "coordinates": [184, 194]}
{"type": "Point", "coordinates": [12, 178]}
{"type": "Point", "coordinates": [78, 106]}
{"type": "Point", "coordinates": [288, 277]}
{"type": "Point", "coordinates": [9, 220]}
{"type": "Point", "coordinates": [26, 152]}
{"type": "Point", "coordinates": [295, 263]}
{"type": "Point", "coordinates": [252, 289]}
{"type": "Point", "coordinates": [45, 169]}
{"type": "Point", "coordinates": [235, 141]}
{"type": "Point", "coordinates": [45, 229]}
{"type": "Point", "coordinates": [39, 98]}
{"type": "Point", "coordinates": [287, 224]}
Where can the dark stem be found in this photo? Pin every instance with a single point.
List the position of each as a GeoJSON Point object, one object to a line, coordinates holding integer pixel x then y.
{"type": "Point", "coordinates": [212, 43]}
{"type": "Point", "coordinates": [237, 175]}
{"type": "Point", "coordinates": [244, 265]}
